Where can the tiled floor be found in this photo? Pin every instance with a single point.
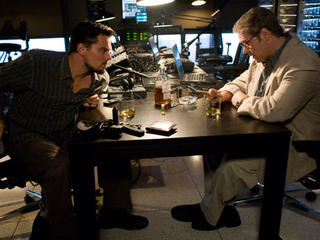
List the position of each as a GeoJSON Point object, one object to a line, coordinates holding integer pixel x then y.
{"type": "Point", "coordinates": [166, 182]}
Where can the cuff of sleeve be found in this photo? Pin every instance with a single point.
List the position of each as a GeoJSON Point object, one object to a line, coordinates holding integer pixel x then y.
{"type": "Point", "coordinates": [231, 89]}
{"type": "Point", "coordinates": [241, 107]}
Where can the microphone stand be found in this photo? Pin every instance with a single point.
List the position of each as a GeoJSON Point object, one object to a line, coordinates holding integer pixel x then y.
{"type": "Point", "coordinates": [185, 47]}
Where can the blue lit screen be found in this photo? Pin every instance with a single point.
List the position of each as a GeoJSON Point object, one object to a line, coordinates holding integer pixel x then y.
{"type": "Point", "coordinates": [53, 44]}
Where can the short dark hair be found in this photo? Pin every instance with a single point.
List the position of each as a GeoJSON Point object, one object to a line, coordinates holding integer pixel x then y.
{"type": "Point", "coordinates": [87, 32]}
{"type": "Point", "coordinates": [257, 18]}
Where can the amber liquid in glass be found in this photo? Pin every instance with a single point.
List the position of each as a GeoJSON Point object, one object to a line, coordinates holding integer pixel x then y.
{"type": "Point", "coordinates": [213, 111]}
{"type": "Point", "coordinates": [127, 113]}
{"type": "Point", "coordinates": [158, 98]}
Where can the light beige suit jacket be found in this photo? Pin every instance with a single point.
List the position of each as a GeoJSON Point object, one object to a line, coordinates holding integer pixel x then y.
{"type": "Point", "coordinates": [292, 97]}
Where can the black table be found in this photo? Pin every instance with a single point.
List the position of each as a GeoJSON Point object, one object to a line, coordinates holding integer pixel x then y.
{"type": "Point", "coordinates": [196, 135]}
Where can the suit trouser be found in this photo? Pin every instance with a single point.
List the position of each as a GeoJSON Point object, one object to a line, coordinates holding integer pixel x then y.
{"type": "Point", "coordinates": [228, 180]}
{"type": "Point", "coordinates": [48, 164]}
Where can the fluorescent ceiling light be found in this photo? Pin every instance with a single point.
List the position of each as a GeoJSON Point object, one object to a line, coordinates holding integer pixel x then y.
{"type": "Point", "coordinates": [105, 19]}
{"type": "Point", "coordinates": [107, 16]}
{"type": "Point", "coordinates": [148, 3]}
{"type": "Point", "coordinates": [198, 3]}
{"type": "Point", "coordinates": [163, 26]}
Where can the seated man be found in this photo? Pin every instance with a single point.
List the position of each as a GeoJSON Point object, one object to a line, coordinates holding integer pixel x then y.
{"type": "Point", "coordinates": [282, 85]}
{"type": "Point", "coordinates": [49, 89]}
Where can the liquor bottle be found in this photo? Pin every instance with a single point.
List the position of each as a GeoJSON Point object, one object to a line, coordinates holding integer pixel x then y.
{"type": "Point", "coordinates": [162, 88]}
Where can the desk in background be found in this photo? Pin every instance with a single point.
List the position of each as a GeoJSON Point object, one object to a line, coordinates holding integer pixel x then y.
{"type": "Point", "coordinates": [196, 135]}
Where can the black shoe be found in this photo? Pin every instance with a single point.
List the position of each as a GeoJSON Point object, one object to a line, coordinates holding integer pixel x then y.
{"type": "Point", "coordinates": [229, 218]}
{"type": "Point", "coordinates": [122, 219]}
{"type": "Point", "coordinates": [184, 212]}
{"type": "Point", "coordinates": [41, 228]}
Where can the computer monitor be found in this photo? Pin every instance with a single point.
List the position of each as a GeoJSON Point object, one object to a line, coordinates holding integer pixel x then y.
{"type": "Point", "coordinates": [141, 17]}
{"type": "Point", "coordinates": [154, 48]}
{"type": "Point", "coordinates": [168, 40]}
{"type": "Point", "coordinates": [113, 39]}
{"type": "Point", "coordinates": [234, 40]}
{"type": "Point", "coordinates": [130, 10]}
{"type": "Point", "coordinates": [176, 56]}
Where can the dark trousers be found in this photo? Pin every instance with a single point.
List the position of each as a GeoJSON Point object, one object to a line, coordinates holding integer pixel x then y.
{"type": "Point", "coordinates": [115, 179]}
{"type": "Point", "coordinates": [48, 165]}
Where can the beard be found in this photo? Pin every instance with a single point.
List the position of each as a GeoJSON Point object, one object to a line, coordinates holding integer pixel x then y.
{"type": "Point", "coordinates": [92, 69]}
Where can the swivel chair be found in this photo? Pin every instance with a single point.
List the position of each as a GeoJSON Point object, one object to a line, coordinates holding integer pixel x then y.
{"type": "Point", "coordinates": [310, 181]}
{"type": "Point", "coordinates": [7, 48]}
{"type": "Point", "coordinates": [230, 71]}
{"type": "Point", "coordinates": [11, 176]}
{"type": "Point", "coordinates": [213, 56]}
{"type": "Point", "coordinates": [209, 56]}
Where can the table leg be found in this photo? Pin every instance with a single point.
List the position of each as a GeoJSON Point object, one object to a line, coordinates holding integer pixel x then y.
{"type": "Point", "coordinates": [83, 186]}
{"type": "Point", "coordinates": [275, 174]}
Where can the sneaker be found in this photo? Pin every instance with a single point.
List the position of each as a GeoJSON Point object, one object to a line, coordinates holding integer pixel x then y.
{"type": "Point", "coordinates": [122, 219]}
{"type": "Point", "coordinates": [184, 212]}
{"type": "Point", "coordinates": [229, 218]}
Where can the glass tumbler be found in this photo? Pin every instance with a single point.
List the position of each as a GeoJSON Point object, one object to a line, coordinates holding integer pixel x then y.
{"type": "Point", "coordinates": [213, 105]}
{"type": "Point", "coordinates": [127, 106]}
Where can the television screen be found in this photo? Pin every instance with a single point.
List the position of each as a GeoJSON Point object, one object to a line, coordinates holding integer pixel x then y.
{"type": "Point", "coordinates": [130, 10]}
{"type": "Point", "coordinates": [142, 17]}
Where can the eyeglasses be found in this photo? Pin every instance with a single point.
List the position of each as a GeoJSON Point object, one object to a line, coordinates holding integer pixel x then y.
{"type": "Point", "coordinates": [246, 44]}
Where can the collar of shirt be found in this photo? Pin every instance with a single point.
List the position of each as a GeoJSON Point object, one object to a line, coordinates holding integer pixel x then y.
{"type": "Point", "coordinates": [64, 68]}
{"type": "Point", "coordinates": [273, 60]}
{"type": "Point", "coordinates": [66, 74]}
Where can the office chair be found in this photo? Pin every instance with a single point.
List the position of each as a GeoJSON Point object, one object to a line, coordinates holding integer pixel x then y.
{"type": "Point", "coordinates": [12, 176]}
{"type": "Point", "coordinates": [7, 48]}
{"type": "Point", "coordinates": [230, 71]}
{"type": "Point", "coordinates": [213, 56]}
{"type": "Point", "coordinates": [311, 181]}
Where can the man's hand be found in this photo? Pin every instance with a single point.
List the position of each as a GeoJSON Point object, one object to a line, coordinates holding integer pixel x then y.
{"type": "Point", "coordinates": [3, 128]}
{"type": "Point", "coordinates": [212, 96]}
{"type": "Point", "coordinates": [225, 95]}
{"type": "Point", "coordinates": [238, 97]}
{"type": "Point", "coordinates": [91, 101]}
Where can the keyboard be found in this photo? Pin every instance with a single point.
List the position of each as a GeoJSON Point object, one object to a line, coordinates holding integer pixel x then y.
{"type": "Point", "coordinates": [195, 77]}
